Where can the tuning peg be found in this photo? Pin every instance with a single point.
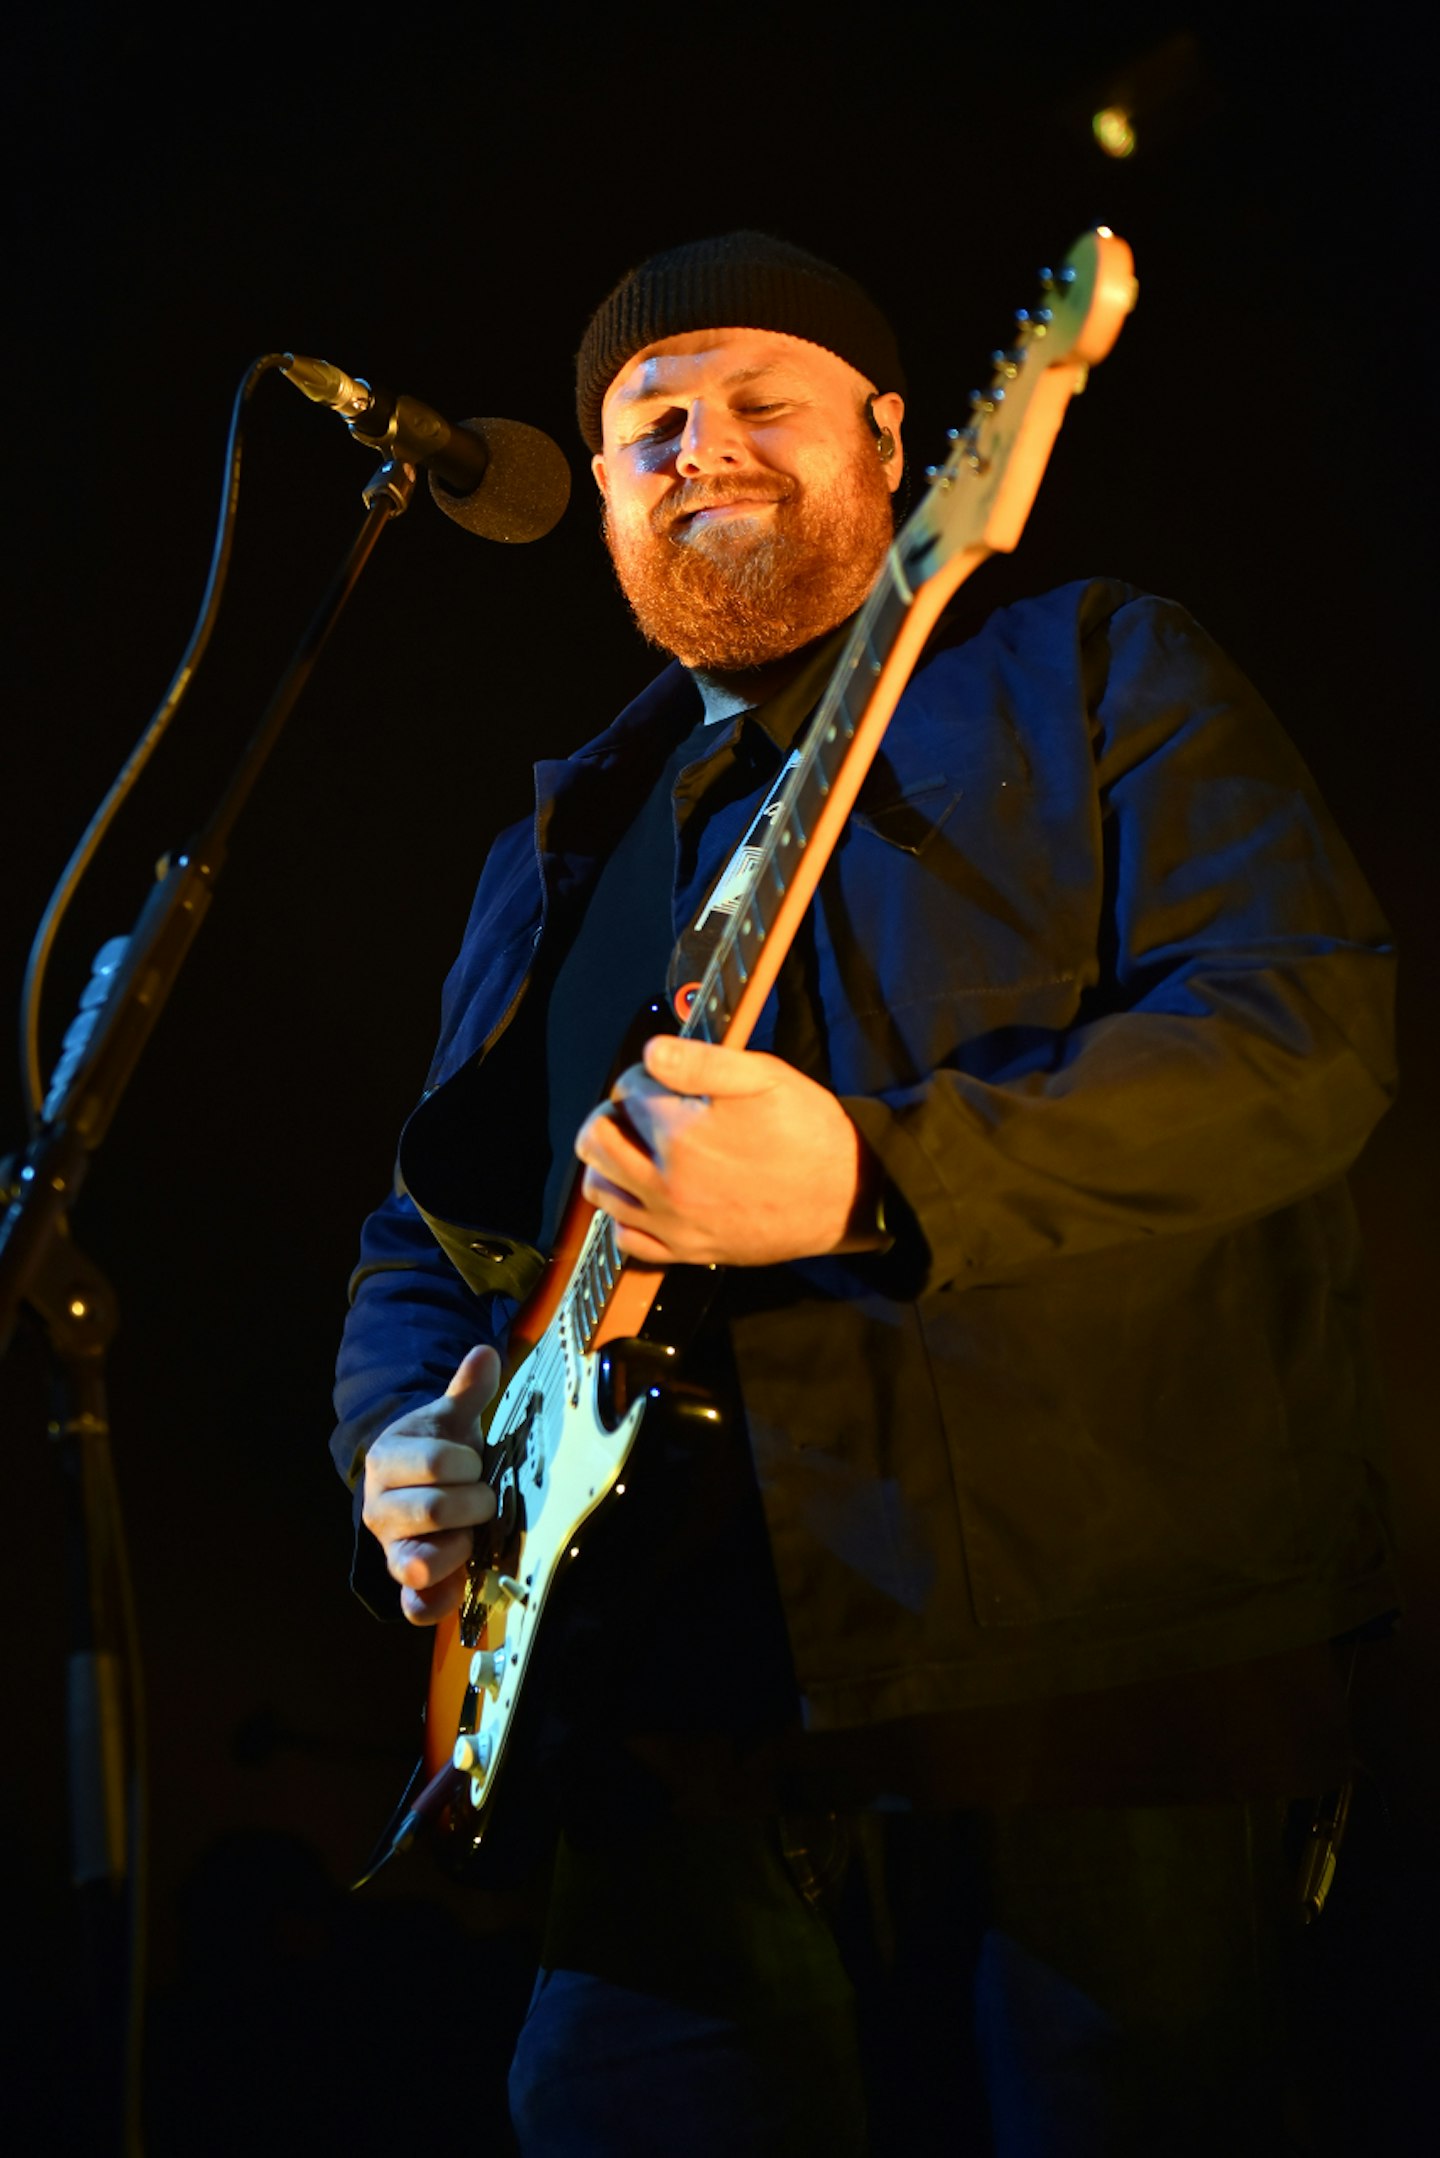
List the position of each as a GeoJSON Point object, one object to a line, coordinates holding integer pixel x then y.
{"type": "Point", "coordinates": [1066, 277]}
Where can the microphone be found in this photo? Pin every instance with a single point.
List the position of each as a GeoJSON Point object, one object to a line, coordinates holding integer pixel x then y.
{"type": "Point", "coordinates": [498, 478]}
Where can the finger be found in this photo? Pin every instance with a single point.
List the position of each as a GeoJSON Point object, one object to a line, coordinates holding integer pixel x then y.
{"type": "Point", "coordinates": [478, 1375]}
{"type": "Point", "coordinates": [691, 1067]}
{"type": "Point", "coordinates": [634, 1100]}
{"type": "Point", "coordinates": [420, 1562]}
{"type": "Point", "coordinates": [614, 1199]}
{"type": "Point", "coordinates": [642, 1244]}
{"type": "Point", "coordinates": [424, 1606]}
{"type": "Point", "coordinates": [453, 1418]}
{"type": "Point", "coordinates": [606, 1144]}
{"type": "Point", "coordinates": [423, 1509]}
{"type": "Point", "coordinates": [407, 1456]}
{"type": "Point", "coordinates": [634, 1080]}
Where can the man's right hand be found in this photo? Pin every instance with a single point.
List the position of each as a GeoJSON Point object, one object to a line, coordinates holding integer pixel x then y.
{"type": "Point", "coordinates": [423, 1493]}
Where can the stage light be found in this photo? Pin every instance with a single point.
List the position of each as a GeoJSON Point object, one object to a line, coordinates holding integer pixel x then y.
{"type": "Point", "coordinates": [1113, 131]}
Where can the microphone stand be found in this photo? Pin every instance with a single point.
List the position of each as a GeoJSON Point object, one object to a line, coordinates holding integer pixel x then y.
{"type": "Point", "coordinates": [43, 1272]}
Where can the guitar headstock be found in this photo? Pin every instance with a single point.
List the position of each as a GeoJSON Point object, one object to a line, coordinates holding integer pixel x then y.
{"type": "Point", "coordinates": [979, 498]}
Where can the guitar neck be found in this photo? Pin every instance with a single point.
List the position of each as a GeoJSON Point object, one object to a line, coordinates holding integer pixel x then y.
{"type": "Point", "coordinates": [977, 506]}
{"type": "Point", "coordinates": [880, 654]}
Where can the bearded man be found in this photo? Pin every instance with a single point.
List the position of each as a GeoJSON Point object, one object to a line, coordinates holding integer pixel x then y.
{"type": "Point", "coordinates": [1028, 1566]}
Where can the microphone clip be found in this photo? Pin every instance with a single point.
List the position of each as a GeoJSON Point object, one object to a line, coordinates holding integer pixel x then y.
{"type": "Point", "coordinates": [402, 428]}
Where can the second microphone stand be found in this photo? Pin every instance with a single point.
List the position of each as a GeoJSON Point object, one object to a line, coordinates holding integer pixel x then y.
{"type": "Point", "coordinates": [43, 1272]}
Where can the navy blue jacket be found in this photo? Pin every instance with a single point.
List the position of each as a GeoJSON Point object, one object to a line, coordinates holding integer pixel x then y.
{"type": "Point", "coordinates": [1104, 990]}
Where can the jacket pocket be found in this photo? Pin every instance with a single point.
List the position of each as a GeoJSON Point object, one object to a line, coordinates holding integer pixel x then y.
{"type": "Point", "coordinates": [911, 818]}
{"type": "Point", "coordinates": [1119, 1438]}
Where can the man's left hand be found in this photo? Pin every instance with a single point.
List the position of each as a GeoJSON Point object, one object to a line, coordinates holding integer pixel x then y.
{"type": "Point", "coordinates": [709, 1156]}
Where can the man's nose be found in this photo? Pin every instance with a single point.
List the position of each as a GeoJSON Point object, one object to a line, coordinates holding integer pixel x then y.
{"type": "Point", "coordinates": [711, 440]}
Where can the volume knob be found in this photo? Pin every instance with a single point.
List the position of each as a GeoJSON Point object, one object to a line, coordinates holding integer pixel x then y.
{"type": "Point", "coordinates": [487, 1668]}
{"type": "Point", "coordinates": [473, 1753]}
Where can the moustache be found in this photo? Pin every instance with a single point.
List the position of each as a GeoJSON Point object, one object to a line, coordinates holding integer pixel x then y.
{"type": "Point", "coordinates": [692, 495]}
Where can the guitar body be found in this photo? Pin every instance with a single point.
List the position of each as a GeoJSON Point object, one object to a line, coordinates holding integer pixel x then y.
{"type": "Point", "coordinates": [558, 1439]}
{"type": "Point", "coordinates": [591, 1340]}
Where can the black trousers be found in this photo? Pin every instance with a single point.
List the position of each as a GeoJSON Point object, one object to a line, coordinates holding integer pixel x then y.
{"type": "Point", "coordinates": [1043, 1983]}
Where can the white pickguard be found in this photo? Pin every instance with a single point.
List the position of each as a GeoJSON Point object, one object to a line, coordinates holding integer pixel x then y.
{"type": "Point", "coordinates": [570, 1463]}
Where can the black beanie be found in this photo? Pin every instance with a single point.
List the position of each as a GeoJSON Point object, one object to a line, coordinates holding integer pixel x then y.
{"type": "Point", "coordinates": [743, 281]}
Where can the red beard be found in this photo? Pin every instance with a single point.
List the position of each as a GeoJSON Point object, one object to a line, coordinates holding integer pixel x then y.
{"type": "Point", "coordinates": [733, 596]}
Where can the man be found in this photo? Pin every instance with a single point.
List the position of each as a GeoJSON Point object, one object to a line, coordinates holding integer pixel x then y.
{"type": "Point", "coordinates": [1051, 1420]}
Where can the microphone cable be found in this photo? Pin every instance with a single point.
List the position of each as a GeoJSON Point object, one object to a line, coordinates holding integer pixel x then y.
{"type": "Point", "coordinates": [31, 1079]}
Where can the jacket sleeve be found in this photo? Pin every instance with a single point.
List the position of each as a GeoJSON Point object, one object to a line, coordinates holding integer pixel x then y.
{"type": "Point", "coordinates": [411, 1321]}
{"type": "Point", "coordinates": [1233, 1049]}
{"type": "Point", "coordinates": [412, 1318]}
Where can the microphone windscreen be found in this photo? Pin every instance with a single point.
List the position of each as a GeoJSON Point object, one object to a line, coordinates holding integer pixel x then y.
{"type": "Point", "coordinates": [525, 488]}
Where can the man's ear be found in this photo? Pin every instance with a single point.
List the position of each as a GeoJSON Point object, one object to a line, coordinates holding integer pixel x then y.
{"type": "Point", "coordinates": [887, 411]}
{"type": "Point", "coordinates": [597, 466]}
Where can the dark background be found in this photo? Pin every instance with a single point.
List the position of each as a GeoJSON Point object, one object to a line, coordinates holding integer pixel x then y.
{"type": "Point", "coordinates": [436, 198]}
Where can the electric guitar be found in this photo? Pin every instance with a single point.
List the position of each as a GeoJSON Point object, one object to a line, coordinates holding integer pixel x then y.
{"type": "Point", "coordinates": [562, 1431]}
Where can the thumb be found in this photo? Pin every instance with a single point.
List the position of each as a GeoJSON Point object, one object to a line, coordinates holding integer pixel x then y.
{"type": "Point", "coordinates": [691, 1067]}
{"type": "Point", "coordinates": [476, 1378]}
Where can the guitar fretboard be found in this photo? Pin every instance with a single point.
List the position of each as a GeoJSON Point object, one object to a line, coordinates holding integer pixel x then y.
{"type": "Point", "coordinates": [827, 743]}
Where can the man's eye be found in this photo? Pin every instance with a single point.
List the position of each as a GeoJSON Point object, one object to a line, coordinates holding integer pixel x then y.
{"type": "Point", "coordinates": [669, 423]}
